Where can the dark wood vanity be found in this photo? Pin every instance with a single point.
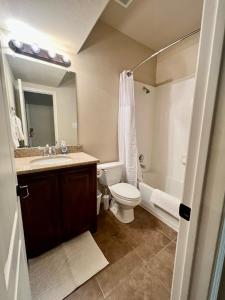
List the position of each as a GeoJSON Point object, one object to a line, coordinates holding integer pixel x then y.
{"type": "Point", "coordinates": [61, 205]}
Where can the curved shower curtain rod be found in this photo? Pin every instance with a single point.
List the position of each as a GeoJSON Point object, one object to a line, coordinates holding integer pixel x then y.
{"type": "Point", "coordinates": [161, 50]}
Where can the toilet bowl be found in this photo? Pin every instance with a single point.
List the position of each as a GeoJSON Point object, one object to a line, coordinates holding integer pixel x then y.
{"type": "Point", "coordinates": [125, 196]}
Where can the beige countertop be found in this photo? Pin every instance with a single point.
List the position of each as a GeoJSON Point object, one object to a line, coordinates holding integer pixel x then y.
{"type": "Point", "coordinates": [24, 165]}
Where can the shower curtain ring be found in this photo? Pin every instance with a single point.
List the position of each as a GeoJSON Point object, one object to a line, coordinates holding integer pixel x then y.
{"type": "Point", "coordinates": [129, 73]}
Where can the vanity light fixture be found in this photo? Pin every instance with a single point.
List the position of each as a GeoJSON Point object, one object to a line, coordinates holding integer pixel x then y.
{"type": "Point", "coordinates": [17, 44]}
{"type": "Point", "coordinates": [51, 54]}
{"type": "Point", "coordinates": [66, 60]}
{"type": "Point", "coordinates": [33, 50]}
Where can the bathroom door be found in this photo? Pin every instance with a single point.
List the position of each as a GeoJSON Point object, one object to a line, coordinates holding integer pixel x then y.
{"type": "Point", "coordinates": [205, 172]}
{"type": "Point", "coordinates": [14, 280]}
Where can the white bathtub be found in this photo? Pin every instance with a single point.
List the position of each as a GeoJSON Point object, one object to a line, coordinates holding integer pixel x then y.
{"type": "Point", "coordinates": [151, 181]}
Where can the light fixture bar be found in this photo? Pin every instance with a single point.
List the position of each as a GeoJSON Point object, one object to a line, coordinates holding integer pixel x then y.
{"type": "Point", "coordinates": [39, 53]}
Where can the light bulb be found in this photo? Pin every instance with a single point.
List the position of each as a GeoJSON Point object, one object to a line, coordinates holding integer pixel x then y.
{"type": "Point", "coordinates": [66, 60]}
{"type": "Point", "coordinates": [17, 44]}
{"type": "Point", "coordinates": [51, 54]}
{"type": "Point", "coordinates": [35, 48]}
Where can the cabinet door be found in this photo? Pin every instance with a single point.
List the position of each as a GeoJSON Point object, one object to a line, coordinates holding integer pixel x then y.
{"type": "Point", "coordinates": [40, 213]}
{"type": "Point", "coordinates": [78, 188]}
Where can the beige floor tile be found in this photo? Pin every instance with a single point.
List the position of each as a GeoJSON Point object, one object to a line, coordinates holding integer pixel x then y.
{"type": "Point", "coordinates": [141, 257]}
{"type": "Point", "coordinates": [171, 248]}
{"type": "Point", "coordinates": [113, 249]}
{"type": "Point", "coordinates": [154, 243]}
{"type": "Point", "coordinates": [169, 232]}
{"type": "Point", "coordinates": [88, 291]}
{"type": "Point", "coordinates": [162, 265]}
{"type": "Point", "coordinates": [110, 277]}
{"type": "Point", "coordinates": [140, 285]}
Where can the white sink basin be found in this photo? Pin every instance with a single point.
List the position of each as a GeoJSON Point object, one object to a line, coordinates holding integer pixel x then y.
{"type": "Point", "coordinates": [51, 160]}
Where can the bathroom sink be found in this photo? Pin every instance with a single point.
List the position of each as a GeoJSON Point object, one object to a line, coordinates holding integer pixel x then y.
{"type": "Point", "coordinates": [51, 160]}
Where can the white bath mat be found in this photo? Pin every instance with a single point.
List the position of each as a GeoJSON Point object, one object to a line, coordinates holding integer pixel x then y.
{"type": "Point", "coordinates": [58, 272]}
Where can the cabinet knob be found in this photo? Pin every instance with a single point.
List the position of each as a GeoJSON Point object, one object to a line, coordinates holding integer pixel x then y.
{"type": "Point", "coordinates": [22, 191]}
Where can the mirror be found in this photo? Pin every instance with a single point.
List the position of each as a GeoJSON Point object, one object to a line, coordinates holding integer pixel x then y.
{"type": "Point", "coordinates": [42, 102]}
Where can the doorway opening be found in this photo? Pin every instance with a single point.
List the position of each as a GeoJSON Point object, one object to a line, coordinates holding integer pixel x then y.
{"type": "Point", "coordinates": [40, 118]}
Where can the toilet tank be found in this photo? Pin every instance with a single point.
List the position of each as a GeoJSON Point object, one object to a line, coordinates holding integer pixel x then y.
{"type": "Point", "coordinates": [111, 173]}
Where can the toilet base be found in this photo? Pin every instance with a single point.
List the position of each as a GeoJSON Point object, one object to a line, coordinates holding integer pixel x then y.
{"type": "Point", "coordinates": [122, 213]}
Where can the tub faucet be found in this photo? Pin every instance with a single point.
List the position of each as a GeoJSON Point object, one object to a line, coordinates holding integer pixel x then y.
{"type": "Point", "coordinates": [141, 160]}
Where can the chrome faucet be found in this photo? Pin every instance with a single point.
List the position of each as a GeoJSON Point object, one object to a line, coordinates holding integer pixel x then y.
{"type": "Point", "coordinates": [49, 151]}
{"type": "Point", "coordinates": [46, 150]}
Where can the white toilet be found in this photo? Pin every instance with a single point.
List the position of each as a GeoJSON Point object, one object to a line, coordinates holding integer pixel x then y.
{"type": "Point", "coordinates": [125, 196]}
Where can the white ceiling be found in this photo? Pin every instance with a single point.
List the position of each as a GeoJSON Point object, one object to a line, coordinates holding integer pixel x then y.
{"type": "Point", "coordinates": [154, 23]}
{"type": "Point", "coordinates": [67, 22]}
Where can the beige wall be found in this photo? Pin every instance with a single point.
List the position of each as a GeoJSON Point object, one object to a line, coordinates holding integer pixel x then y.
{"type": "Point", "coordinates": [9, 84]}
{"type": "Point", "coordinates": [178, 62]}
{"type": "Point", "coordinates": [106, 53]}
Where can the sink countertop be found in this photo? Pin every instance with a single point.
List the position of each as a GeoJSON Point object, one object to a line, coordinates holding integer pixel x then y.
{"type": "Point", "coordinates": [24, 166]}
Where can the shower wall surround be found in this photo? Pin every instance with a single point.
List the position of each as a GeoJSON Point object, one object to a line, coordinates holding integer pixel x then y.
{"type": "Point", "coordinates": [163, 134]}
{"type": "Point", "coordinates": [144, 112]}
{"type": "Point", "coordinates": [173, 109]}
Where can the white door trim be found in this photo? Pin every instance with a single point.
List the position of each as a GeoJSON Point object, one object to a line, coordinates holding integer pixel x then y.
{"type": "Point", "coordinates": [208, 68]}
{"type": "Point", "coordinates": [23, 111]}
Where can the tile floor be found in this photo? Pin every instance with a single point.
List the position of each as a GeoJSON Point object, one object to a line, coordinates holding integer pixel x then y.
{"type": "Point", "coordinates": [141, 256]}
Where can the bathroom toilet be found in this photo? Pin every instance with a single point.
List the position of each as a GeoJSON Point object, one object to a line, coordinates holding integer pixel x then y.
{"type": "Point", "coordinates": [125, 196]}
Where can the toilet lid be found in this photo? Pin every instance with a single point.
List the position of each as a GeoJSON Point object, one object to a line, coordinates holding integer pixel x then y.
{"type": "Point", "coordinates": [125, 190]}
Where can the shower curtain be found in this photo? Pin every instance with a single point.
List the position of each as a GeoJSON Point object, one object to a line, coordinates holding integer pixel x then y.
{"type": "Point", "coordinates": [127, 130]}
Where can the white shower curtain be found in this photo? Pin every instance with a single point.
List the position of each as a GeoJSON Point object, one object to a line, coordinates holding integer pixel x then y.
{"type": "Point", "coordinates": [127, 130]}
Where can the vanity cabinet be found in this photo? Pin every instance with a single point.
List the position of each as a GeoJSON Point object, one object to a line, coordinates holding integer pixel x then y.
{"type": "Point", "coordinates": [61, 204]}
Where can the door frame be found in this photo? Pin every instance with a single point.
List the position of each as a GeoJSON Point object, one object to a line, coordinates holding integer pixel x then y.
{"type": "Point", "coordinates": [23, 111]}
{"type": "Point", "coordinates": [55, 113]}
{"type": "Point", "coordinates": [207, 77]}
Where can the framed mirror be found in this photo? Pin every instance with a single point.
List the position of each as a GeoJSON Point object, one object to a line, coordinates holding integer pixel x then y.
{"type": "Point", "coordinates": [42, 102]}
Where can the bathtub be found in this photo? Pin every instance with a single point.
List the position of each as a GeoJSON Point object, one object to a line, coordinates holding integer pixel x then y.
{"type": "Point", "coordinates": [150, 182]}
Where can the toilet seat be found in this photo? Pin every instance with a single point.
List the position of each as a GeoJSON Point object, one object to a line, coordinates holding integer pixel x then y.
{"type": "Point", "coordinates": [125, 198]}
{"type": "Point", "coordinates": [125, 192]}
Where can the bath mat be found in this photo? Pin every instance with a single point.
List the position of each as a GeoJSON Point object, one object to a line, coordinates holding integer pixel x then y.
{"type": "Point", "coordinates": [58, 272]}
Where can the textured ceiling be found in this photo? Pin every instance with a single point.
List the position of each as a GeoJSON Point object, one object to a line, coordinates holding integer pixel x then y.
{"type": "Point", "coordinates": [154, 23]}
